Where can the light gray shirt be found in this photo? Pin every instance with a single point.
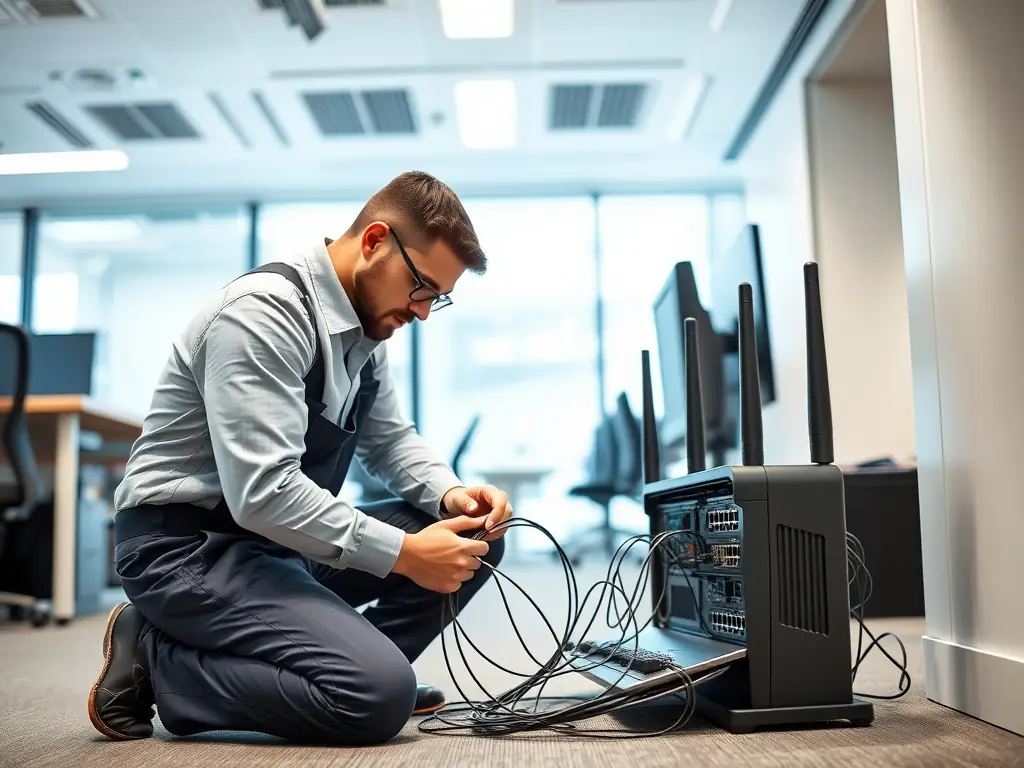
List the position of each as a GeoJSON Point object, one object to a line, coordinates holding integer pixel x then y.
{"type": "Point", "coordinates": [228, 417]}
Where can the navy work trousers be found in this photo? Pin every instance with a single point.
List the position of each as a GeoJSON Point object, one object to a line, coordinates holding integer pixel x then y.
{"type": "Point", "coordinates": [249, 636]}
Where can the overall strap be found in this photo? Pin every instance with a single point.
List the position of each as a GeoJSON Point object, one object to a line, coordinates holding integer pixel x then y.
{"type": "Point", "coordinates": [314, 380]}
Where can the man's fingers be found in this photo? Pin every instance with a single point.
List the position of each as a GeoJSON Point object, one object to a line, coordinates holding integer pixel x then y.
{"type": "Point", "coordinates": [477, 547]}
{"type": "Point", "coordinates": [462, 523]}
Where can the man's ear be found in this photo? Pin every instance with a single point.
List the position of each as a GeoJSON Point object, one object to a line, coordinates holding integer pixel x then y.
{"type": "Point", "coordinates": [374, 240]}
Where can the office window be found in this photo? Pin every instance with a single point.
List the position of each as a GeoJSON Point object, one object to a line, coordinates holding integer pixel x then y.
{"type": "Point", "coordinates": [286, 229]}
{"type": "Point", "coordinates": [136, 279]}
{"type": "Point", "coordinates": [642, 238]}
{"type": "Point", "coordinates": [518, 347]}
{"type": "Point", "coordinates": [11, 232]}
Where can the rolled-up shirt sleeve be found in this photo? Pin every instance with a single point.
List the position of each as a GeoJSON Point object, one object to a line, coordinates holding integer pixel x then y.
{"type": "Point", "coordinates": [393, 451]}
{"type": "Point", "coordinates": [249, 365]}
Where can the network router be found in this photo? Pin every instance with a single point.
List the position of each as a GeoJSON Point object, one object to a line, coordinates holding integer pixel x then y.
{"type": "Point", "coordinates": [749, 588]}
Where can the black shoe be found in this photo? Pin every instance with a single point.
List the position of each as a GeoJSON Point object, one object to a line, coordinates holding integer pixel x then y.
{"type": "Point", "coordinates": [428, 699]}
{"type": "Point", "coordinates": [121, 701]}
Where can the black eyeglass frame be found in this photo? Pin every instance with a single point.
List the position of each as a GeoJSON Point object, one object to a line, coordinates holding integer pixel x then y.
{"type": "Point", "coordinates": [422, 290]}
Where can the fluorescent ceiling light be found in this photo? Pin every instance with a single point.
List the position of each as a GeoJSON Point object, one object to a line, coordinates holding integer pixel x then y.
{"type": "Point", "coordinates": [717, 21]}
{"type": "Point", "coordinates": [79, 161]}
{"type": "Point", "coordinates": [474, 19]}
{"type": "Point", "coordinates": [693, 94]}
{"type": "Point", "coordinates": [486, 113]}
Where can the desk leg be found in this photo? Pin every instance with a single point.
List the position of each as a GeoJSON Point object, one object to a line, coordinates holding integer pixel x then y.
{"type": "Point", "coordinates": [65, 517]}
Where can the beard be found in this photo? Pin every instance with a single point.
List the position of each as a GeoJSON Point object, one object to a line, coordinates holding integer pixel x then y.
{"type": "Point", "coordinates": [375, 319]}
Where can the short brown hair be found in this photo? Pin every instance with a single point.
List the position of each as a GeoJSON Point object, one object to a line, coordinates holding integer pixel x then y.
{"type": "Point", "coordinates": [419, 202]}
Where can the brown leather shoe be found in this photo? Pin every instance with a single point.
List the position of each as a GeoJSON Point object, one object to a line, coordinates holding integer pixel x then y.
{"type": "Point", "coordinates": [428, 699]}
{"type": "Point", "coordinates": [121, 701]}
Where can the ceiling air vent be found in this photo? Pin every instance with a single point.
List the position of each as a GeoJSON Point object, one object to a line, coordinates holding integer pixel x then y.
{"type": "Point", "coordinates": [585, 106]}
{"type": "Point", "coordinates": [55, 9]}
{"type": "Point", "coordinates": [335, 113]}
{"type": "Point", "coordinates": [620, 105]}
{"type": "Point", "coordinates": [144, 122]}
{"type": "Point", "coordinates": [348, 113]}
{"type": "Point", "coordinates": [570, 106]}
{"type": "Point", "coordinates": [389, 111]}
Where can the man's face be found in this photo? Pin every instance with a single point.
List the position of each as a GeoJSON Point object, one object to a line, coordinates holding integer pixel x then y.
{"type": "Point", "coordinates": [391, 288]}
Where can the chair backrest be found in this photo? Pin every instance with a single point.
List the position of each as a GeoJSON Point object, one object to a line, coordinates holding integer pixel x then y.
{"type": "Point", "coordinates": [602, 466]}
{"type": "Point", "coordinates": [463, 446]}
{"type": "Point", "coordinates": [628, 440]}
{"type": "Point", "coordinates": [15, 352]}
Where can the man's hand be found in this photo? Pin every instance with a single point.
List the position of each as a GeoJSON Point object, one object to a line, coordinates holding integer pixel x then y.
{"type": "Point", "coordinates": [479, 501]}
{"type": "Point", "coordinates": [440, 560]}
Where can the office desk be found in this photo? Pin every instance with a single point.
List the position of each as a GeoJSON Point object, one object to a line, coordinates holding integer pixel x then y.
{"type": "Point", "coordinates": [55, 423]}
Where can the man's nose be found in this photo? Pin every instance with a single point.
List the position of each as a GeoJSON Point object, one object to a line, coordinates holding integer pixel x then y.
{"type": "Point", "coordinates": [421, 309]}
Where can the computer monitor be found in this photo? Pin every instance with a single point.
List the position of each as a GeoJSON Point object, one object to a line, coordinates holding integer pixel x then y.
{"type": "Point", "coordinates": [60, 364]}
{"type": "Point", "coordinates": [676, 301]}
{"type": "Point", "coordinates": [741, 263]}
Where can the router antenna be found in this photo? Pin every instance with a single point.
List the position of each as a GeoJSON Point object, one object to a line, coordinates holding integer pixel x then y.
{"type": "Point", "coordinates": [819, 401]}
{"type": "Point", "coordinates": [751, 431]}
{"type": "Point", "coordinates": [696, 452]}
{"type": "Point", "coordinates": [651, 445]}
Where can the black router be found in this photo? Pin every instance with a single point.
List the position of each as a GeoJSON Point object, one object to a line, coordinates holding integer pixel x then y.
{"type": "Point", "coordinates": [765, 569]}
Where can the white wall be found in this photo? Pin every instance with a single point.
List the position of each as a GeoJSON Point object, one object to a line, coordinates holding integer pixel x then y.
{"type": "Point", "coordinates": [956, 73]}
{"type": "Point", "coordinates": [859, 249]}
{"type": "Point", "coordinates": [776, 171]}
{"type": "Point", "coordinates": [821, 181]}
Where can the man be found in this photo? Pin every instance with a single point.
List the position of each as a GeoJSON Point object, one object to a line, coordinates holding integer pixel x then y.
{"type": "Point", "coordinates": [243, 568]}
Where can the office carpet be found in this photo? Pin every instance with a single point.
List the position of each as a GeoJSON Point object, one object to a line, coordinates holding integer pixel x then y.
{"type": "Point", "coordinates": [45, 676]}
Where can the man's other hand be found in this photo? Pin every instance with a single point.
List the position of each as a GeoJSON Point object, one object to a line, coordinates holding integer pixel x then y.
{"type": "Point", "coordinates": [478, 501]}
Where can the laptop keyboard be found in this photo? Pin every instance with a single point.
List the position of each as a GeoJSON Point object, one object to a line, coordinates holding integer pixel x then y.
{"type": "Point", "coordinates": [639, 660]}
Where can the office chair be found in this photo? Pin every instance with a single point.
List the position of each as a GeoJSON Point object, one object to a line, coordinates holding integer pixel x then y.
{"type": "Point", "coordinates": [610, 472]}
{"type": "Point", "coordinates": [629, 440]}
{"type": "Point", "coordinates": [18, 499]}
{"type": "Point", "coordinates": [463, 446]}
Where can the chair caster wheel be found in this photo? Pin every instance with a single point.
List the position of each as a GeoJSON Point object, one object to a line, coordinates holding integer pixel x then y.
{"type": "Point", "coordinates": [40, 619]}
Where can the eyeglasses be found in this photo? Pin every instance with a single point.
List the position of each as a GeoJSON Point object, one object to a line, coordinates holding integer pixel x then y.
{"type": "Point", "coordinates": [422, 290]}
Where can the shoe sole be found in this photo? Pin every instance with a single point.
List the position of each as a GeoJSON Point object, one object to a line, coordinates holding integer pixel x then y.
{"type": "Point", "coordinates": [429, 710]}
{"type": "Point", "coordinates": [94, 714]}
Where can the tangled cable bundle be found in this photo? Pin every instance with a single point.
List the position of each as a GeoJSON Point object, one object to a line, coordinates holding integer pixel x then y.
{"type": "Point", "coordinates": [524, 707]}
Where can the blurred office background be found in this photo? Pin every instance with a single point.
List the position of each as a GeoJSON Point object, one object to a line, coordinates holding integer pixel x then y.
{"type": "Point", "coordinates": [594, 144]}
{"type": "Point", "coordinates": [153, 150]}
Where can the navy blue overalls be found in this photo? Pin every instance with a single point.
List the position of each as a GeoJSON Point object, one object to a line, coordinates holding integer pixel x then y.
{"type": "Point", "coordinates": [247, 635]}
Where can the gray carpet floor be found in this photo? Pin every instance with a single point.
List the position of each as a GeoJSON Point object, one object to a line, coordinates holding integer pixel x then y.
{"type": "Point", "coordinates": [45, 676]}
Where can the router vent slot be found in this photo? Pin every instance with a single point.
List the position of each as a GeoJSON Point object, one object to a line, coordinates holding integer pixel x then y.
{"type": "Point", "coordinates": [803, 602]}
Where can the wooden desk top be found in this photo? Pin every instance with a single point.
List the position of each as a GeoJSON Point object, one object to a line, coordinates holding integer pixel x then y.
{"type": "Point", "coordinates": [94, 417]}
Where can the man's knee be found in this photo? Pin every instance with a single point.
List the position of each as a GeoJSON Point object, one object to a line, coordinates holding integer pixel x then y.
{"type": "Point", "coordinates": [388, 697]}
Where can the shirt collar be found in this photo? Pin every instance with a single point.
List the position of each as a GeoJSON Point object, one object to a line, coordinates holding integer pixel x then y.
{"type": "Point", "coordinates": [335, 304]}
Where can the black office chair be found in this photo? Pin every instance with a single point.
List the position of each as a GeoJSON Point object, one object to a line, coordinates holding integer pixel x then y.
{"type": "Point", "coordinates": [610, 471]}
{"type": "Point", "coordinates": [18, 499]}
{"type": "Point", "coordinates": [629, 441]}
{"type": "Point", "coordinates": [463, 446]}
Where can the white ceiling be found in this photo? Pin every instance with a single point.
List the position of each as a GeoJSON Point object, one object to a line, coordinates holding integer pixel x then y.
{"type": "Point", "coordinates": [208, 55]}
